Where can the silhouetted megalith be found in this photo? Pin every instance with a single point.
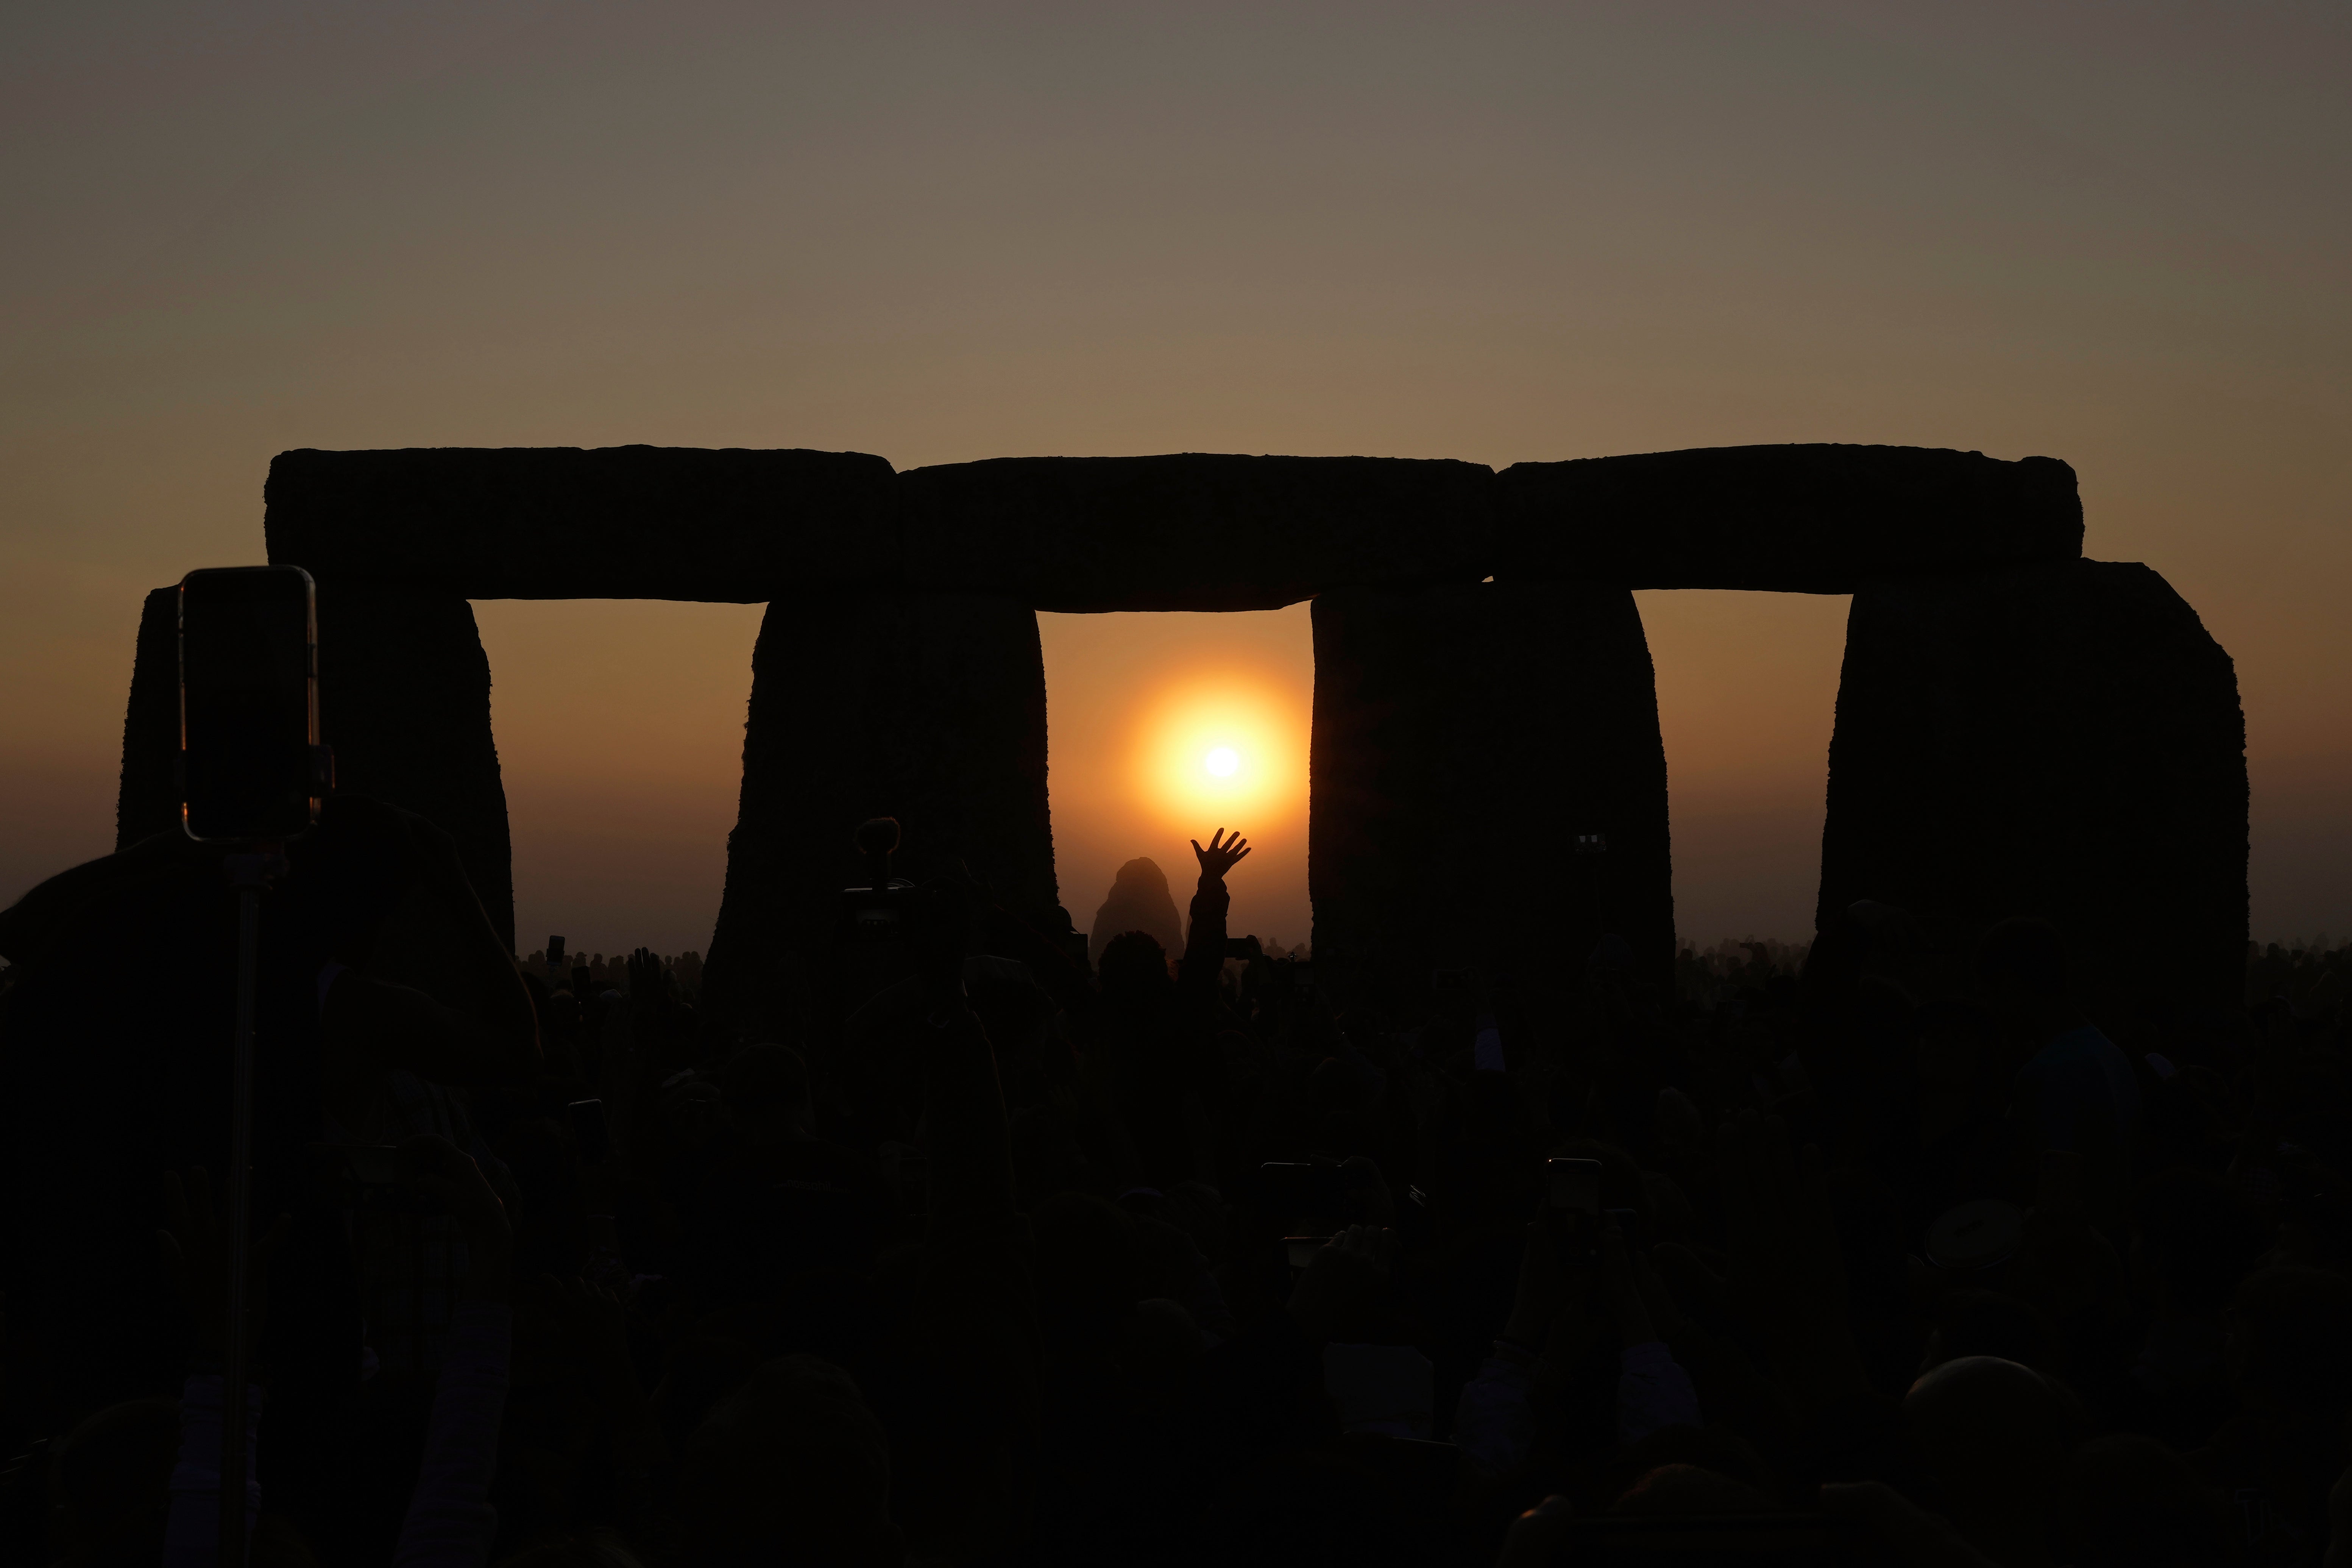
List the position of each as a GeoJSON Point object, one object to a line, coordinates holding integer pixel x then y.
{"type": "Point", "coordinates": [566, 522]}
{"type": "Point", "coordinates": [147, 801]}
{"type": "Point", "coordinates": [405, 701]}
{"type": "Point", "coordinates": [1811, 518]}
{"type": "Point", "coordinates": [874, 648]}
{"type": "Point", "coordinates": [928, 707]}
{"type": "Point", "coordinates": [1462, 736]}
{"type": "Point", "coordinates": [2060, 740]}
{"type": "Point", "coordinates": [1193, 531]}
{"type": "Point", "coordinates": [1138, 900]}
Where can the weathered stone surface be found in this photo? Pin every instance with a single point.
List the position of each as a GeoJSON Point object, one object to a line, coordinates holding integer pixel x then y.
{"type": "Point", "coordinates": [1462, 736]}
{"type": "Point", "coordinates": [1191, 531]}
{"type": "Point", "coordinates": [2063, 741]}
{"type": "Point", "coordinates": [928, 707]}
{"type": "Point", "coordinates": [147, 801]}
{"type": "Point", "coordinates": [1138, 900]}
{"type": "Point", "coordinates": [1813, 518]}
{"type": "Point", "coordinates": [566, 522]}
{"type": "Point", "coordinates": [405, 701]}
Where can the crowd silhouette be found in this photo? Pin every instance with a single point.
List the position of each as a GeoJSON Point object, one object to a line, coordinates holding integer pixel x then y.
{"type": "Point", "coordinates": [1157, 1254]}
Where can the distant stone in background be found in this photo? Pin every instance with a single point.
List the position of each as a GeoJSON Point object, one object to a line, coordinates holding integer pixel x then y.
{"type": "Point", "coordinates": [1802, 519]}
{"type": "Point", "coordinates": [2063, 741]}
{"type": "Point", "coordinates": [1138, 900]}
{"type": "Point", "coordinates": [1464, 736]}
{"type": "Point", "coordinates": [928, 707]}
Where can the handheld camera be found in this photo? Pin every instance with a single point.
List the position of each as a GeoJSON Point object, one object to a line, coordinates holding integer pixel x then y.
{"type": "Point", "coordinates": [881, 909]}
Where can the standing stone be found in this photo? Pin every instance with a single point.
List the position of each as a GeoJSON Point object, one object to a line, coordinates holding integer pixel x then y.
{"type": "Point", "coordinates": [405, 701]}
{"type": "Point", "coordinates": [928, 707]}
{"type": "Point", "coordinates": [147, 801]}
{"type": "Point", "coordinates": [1464, 736]}
{"type": "Point", "coordinates": [2063, 741]}
{"type": "Point", "coordinates": [1138, 900]}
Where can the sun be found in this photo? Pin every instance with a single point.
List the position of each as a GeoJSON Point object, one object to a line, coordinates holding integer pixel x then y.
{"type": "Point", "coordinates": [1218, 743]}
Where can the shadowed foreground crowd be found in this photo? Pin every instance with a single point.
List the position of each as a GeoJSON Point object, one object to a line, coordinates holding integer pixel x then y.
{"type": "Point", "coordinates": [997, 1257]}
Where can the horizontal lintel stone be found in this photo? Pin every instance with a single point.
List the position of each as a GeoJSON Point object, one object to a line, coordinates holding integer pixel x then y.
{"type": "Point", "coordinates": [1193, 531]}
{"type": "Point", "coordinates": [565, 522]}
{"type": "Point", "coordinates": [1802, 519]}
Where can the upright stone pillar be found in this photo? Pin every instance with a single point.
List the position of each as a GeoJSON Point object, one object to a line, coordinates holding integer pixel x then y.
{"type": "Point", "coordinates": [147, 801]}
{"type": "Point", "coordinates": [404, 700]}
{"type": "Point", "coordinates": [928, 707]}
{"type": "Point", "coordinates": [2063, 741]}
{"type": "Point", "coordinates": [1465, 735]}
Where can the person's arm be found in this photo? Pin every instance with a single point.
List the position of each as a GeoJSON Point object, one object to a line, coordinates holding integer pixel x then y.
{"type": "Point", "coordinates": [1204, 943]}
{"type": "Point", "coordinates": [191, 1531]}
{"type": "Point", "coordinates": [1494, 1421]}
{"type": "Point", "coordinates": [450, 1522]}
{"type": "Point", "coordinates": [195, 1250]}
{"type": "Point", "coordinates": [467, 1020]}
{"type": "Point", "coordinates": [1653, 1390]}
{"type": "Point", "coordinates": [977, 1306]}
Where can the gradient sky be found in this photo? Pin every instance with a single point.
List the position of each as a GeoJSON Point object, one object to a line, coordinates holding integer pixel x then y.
{"type": "Point", "coordinates": [2118, 234]}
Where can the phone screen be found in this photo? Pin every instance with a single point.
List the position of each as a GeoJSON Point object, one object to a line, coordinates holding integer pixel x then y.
{"type": "Point", "coordinates": [248, 703]}
{"type": "Point", "coordinates": [1575, 1184]}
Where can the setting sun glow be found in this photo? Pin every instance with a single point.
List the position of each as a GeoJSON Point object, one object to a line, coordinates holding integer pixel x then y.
{"type": "Point", "coordinates": [1223, 747]}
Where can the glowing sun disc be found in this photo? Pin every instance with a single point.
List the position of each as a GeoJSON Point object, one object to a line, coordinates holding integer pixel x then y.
{"type": "Point", "coordinates": [1222, 762]}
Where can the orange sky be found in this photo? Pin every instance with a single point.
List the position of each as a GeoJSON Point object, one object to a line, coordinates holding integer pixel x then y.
{"type": "Point", "coordinates": [2114, 235]}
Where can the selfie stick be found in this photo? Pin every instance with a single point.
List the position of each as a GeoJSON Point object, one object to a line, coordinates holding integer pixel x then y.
{"type": "Point", "coordinates": [249, 874]}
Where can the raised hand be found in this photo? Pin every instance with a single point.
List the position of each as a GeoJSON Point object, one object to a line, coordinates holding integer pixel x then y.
{"type": "Point", "coordinates": [1221, 855]}
{"type": "Point", "coordinates": [1350, 1267]}
{"type": "Point", "coordinates": [434, 1165]}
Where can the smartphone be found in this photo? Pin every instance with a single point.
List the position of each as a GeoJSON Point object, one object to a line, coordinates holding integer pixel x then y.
{"type": "Point", "coordinates": [1300, 1193]}
{"type": "Point", "coordinates": [1575, 1184]}
{"type": "Point", "coordinates": [251, 768]}
{"type": "Point", "coordinates": [589, 1127]}
{"type": "Point", "coordinates": [1301, 1249]}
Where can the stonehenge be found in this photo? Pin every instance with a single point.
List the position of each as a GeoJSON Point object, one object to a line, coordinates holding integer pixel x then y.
{"type": "Point", "coordinates": [2019, 730]}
